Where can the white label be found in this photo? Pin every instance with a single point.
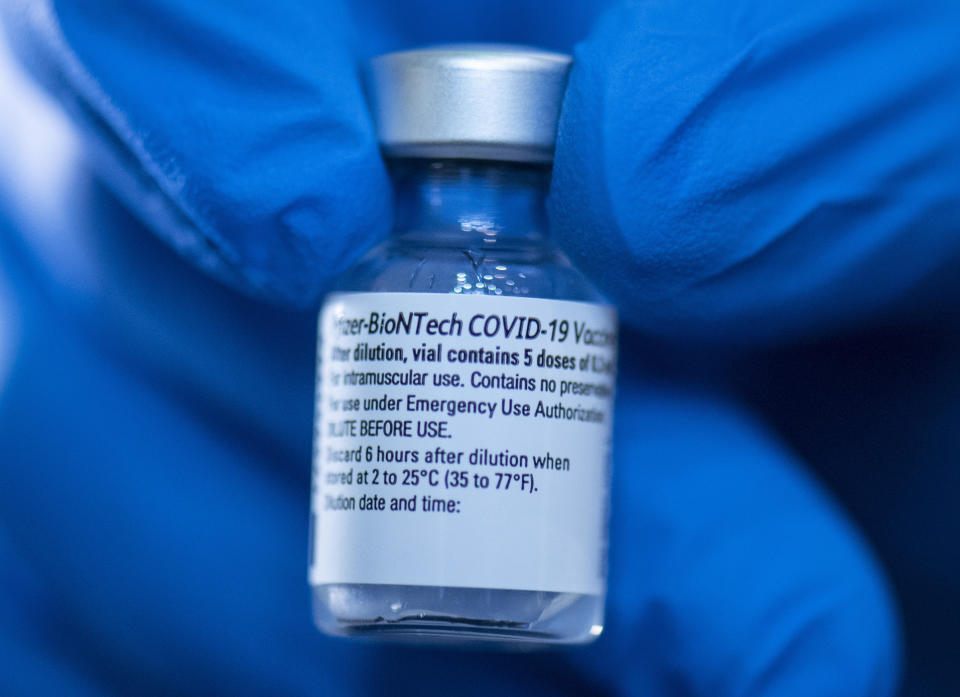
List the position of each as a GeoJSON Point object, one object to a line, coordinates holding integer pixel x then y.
{"type": "Point", "coordinates": [463, 441]}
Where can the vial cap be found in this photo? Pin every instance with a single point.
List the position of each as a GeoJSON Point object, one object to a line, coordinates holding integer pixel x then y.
{"type": "Point", "coordinates": [477, 101]}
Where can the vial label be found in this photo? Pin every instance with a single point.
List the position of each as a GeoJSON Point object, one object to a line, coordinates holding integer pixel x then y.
{"type": "Point", "coordinates": [463, 441]}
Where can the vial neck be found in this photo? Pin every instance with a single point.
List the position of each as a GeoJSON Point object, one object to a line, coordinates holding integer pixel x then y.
{"type": "Point", "coordinates": [470, 202]}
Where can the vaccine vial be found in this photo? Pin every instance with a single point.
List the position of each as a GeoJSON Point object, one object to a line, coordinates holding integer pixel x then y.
{"type": "Point", "coordinates": [465, 377]}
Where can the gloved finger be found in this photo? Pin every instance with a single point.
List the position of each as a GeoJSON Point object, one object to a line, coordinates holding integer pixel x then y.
{"type": "Point", "coordinates": [240, 136]}
{"type": "Point", "coordinates": [732, 572]}
{"type": "Point", "coordinates": [758, 171]}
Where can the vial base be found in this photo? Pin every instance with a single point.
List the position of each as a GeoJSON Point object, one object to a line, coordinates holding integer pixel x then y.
{"type": "Point", "coordinates": [464, 616]}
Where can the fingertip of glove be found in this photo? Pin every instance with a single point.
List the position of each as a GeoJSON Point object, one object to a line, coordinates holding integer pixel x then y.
{"type": "Point", "coordinates": [242, 140]}
{"type": "Point", "coordinates": [755, 173]}
{"type": "Point", "coordinates": [733, 572]}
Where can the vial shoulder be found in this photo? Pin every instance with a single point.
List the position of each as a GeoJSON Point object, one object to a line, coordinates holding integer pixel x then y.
{"type": "Point", "coordinates": [534, 271]}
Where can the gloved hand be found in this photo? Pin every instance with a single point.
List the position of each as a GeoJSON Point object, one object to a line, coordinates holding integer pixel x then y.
{"type": "Point", "coordinates": [155, 426]}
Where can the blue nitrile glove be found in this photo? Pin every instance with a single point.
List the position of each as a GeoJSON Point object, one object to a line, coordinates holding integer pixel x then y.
{"type": "Point", "coordinates": [756, 171]}
{"type": "Point", "coordinates": [155, 426]}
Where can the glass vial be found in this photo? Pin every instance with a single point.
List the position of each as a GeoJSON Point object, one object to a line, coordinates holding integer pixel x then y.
{"type": "Point", "coordinates": [465, 377]}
